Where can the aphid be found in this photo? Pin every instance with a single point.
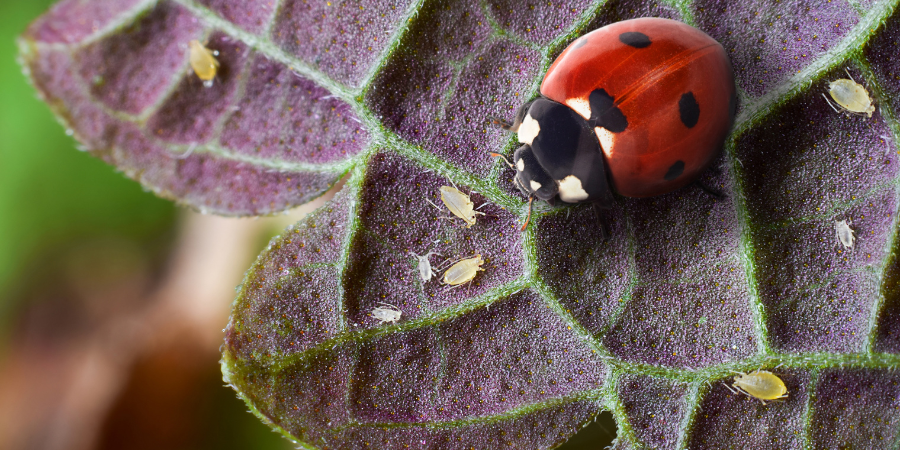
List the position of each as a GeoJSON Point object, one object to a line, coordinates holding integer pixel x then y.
{"type": "Point", "coordinates": [463, 271]}
{"type": "Point", "coordinates": [387, 313]}
{"type": "Point", "coordinates": [844, 234]}
{"type": "Point", "coordinates": [425, 272]}
{"type": "Point", "coordinates": [203, 61]}
{"type": "Point", "coordinates": [459, 204]}
{"type": "Point", "coordinates": [762, 384]}
{"type": "Point", "coordinates": [850, 96]}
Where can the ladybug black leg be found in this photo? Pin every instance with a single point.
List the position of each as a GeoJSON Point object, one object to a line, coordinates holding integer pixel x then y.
{"type": "Point", "coordinates": [713, 192]}
{"type": "Point", "coordinates": [602, 221]}
{"type": "Point", "coordinates": [514, 127]}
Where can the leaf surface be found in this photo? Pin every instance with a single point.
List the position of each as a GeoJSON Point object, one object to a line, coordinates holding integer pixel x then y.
{"type": "Point", "coordinates": [559, 325]}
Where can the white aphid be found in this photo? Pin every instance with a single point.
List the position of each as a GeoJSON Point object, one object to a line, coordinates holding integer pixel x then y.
{"type": "Point", "coordinates": [844, 234]}
{"type": "Point", "coordinates": [425, 271]}
{"type": "Point", "coordinates": [387, 313]}
{"type": "Point", "coordinates": [850, 96]}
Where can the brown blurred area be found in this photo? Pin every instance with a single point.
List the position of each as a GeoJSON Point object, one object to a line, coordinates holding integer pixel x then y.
{"type": "Point", "coordinates": [118, 348]}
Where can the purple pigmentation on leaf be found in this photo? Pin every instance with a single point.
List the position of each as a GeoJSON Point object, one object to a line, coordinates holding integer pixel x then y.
{"type": "Point", "coordinates": [338, 336]}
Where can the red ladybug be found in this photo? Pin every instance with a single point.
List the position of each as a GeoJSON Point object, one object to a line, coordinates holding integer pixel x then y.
{"type": "Point", "coordinates": [642, 106]}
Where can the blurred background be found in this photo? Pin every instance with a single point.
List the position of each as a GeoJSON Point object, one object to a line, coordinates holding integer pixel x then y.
{"type": "Point", "coordinates": [112, 301]}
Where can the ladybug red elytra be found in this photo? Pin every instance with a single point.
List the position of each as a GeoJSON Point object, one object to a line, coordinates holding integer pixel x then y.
{"type": "Point", "coordinates": [641, 106]}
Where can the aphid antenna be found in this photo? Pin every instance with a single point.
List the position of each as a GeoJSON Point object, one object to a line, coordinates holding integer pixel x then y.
{"type": "Point", "coordinates": [460, 258]}
{"type": "Point", "coordinates": [848, 74]}
{"type": "Point", "coordinates": [827, 100]}
{"type": "Point", "coordinates": [189, 151]}
{"type": "Point", "coordinates": [387, 304]}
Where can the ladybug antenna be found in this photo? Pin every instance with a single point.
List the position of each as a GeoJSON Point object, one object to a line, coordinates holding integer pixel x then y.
{"type": "Point", "coordinates": [497, 155]}
{"type": "Point", "coordinates": [528, 217]}
{"type": "Point", "coordinates": [498, 122]}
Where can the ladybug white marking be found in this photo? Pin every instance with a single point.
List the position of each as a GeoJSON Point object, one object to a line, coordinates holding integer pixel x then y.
{"type": "Point", "coordinates": [761, 384]}
{"type": "Point", "coordinates": [463, 271]}
{"type": "Point", "coordinates": [387, 313]}
{"type": "Point", "coordinates": [581, 106]}
{"type": "Point", "coordinates": [571, 190]}
{"type": "Point", "coordinates": [425, 272]}
{"type": "Point", "coordinates": [605, 136]}
{"type": "Point", "coordinates": [534, 185]}
{"type": "Point", "coordinates": [850, 96]}
{"type": "Point", "coordinates": [528, 130]}
{"type": "Point", "coordinates": [844, 234]}
{"type": "Point", "coordinates": [203, 61]}
{"type": "Point", "coordinates": [520, 164]}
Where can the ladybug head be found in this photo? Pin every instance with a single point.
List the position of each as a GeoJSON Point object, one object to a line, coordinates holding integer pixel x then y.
{"type": "Point", "coordinates": [531, 179]}
{"type": "Point", "coordinates": [560, 157]}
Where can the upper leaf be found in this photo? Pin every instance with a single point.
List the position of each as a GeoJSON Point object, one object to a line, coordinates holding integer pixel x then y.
{"type": "Point", "coordinates": [559, 324]}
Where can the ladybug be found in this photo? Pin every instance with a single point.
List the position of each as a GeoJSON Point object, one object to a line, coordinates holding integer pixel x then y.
{"type": "Point", "coordinates": [641, 107]}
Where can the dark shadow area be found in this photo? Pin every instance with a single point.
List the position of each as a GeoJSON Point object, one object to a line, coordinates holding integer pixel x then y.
{"type": "Point", "coordinates": [598, 435]}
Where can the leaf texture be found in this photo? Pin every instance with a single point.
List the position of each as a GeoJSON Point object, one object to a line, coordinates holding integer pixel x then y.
{"type": "Point", "coordinates": [560, 324]}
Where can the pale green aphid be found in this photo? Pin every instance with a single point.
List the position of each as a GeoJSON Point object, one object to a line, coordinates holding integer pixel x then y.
{"type": "Point", "coordinates": [463, 271]}
{"type": "Point", "coordinates": [761, 384]}
{"type": "Point", "coordinates": [204, 62]}
{"type": "Point", "coordinates": [459, 204]}
{"type": "Point", "coordinates": [850, 97]}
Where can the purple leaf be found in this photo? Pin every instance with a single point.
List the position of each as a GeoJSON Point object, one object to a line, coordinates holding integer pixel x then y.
{"type": "Point", "coordinates": [559, 324]}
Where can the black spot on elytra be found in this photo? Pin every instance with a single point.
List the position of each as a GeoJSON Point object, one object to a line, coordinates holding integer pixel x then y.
{"type": "Point", "coordinates": [689, 110]}
{"type": "Point", "coordinates": [580, 43]}
{"type": "Point", "coordinates": [635, 39]}
{"type": "Point", "coordinates": [675, 170]}
{"type": "Point", "coordinates": [605, 113]}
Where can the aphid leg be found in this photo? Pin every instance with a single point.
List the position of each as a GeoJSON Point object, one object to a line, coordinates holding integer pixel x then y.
{"type": "Point", "coordinates": [828, 100]}
{"type": "Point", "coordinates": [602, 221]}
{"type": "Point", "coordinates": [528, 217]}
{"type": "Point", "coordinates": [741, 390]}
{"type": "Point", "coordinates": [711, 191]}
{"type": "Point", "coordinates": [850, 76]}
{"type": "Point", "coordinates": [439, 209]}
{"type": "Point", "coordinates": [729, 388]}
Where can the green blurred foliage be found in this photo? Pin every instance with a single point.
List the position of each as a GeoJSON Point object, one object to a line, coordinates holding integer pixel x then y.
{"type": "Point", "coordinates": [51, 195]}
{"type": "Point", "coordinates": [56, 200]}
